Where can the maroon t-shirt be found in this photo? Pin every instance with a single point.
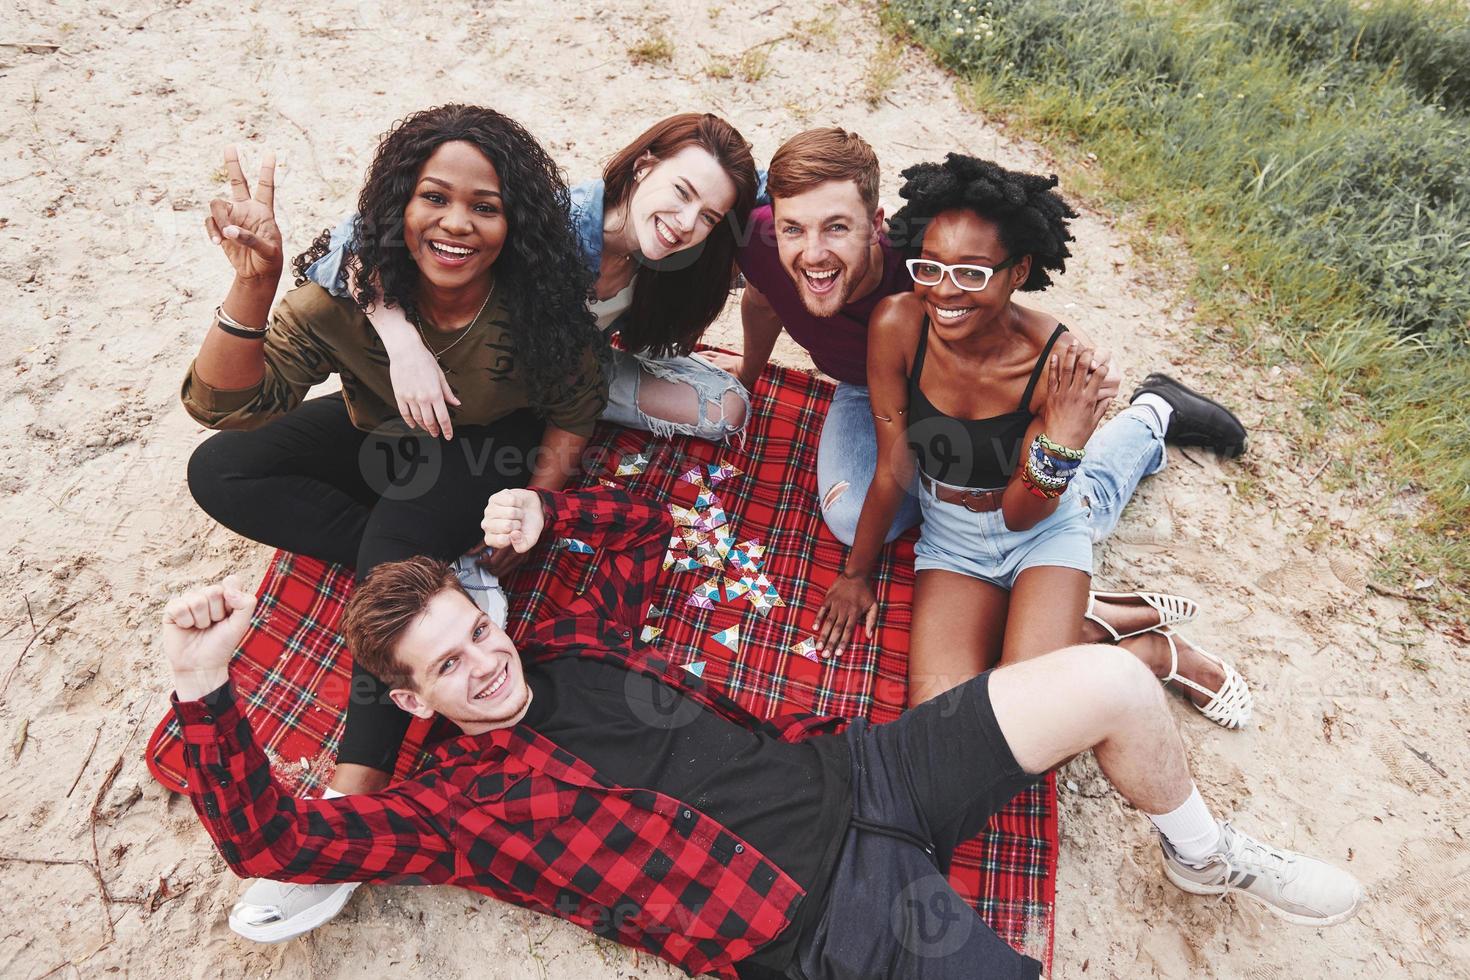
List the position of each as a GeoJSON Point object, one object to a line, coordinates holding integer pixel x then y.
{"type": "Point", "coordinates": [838, 344]}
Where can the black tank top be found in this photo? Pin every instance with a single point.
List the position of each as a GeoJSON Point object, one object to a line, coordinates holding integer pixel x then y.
{"type": "Point", "coordinates": [976, 453]}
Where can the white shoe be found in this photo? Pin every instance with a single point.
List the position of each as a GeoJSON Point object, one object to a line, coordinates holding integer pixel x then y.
{"type": "Point", "coordinates": [275, 911]}
{"type": "Point", "coordinates": [1229, 707]}
{"type": "Point", "coordinates": [1295, 887]}
{"type": "Point", "coordinates": [1172, 610]}
{"type": "Point", "coordinates": [483, 588]}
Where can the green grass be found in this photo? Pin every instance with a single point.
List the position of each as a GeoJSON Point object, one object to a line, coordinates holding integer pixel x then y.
{"type": "Point", "coordinates": [1314, 160]}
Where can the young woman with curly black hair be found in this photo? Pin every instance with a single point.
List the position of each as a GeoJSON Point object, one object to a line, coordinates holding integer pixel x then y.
{"type": "Point", "coordinates": [657, 236]}
{"type": "Point", "coordinates": [465, 219]}
{"type": "Point", "coordinates": [995, 405]}
{"type": "Point", "coordinates": [464, 228]}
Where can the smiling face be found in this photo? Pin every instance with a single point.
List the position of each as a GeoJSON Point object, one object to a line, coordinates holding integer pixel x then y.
{"type": "Point", "coordinates": [463, 666]}
{"type": "Point", "coordinates": [454, 225]}
{"type": "Point", "coordinates": [826, 239]}
{"type": "Point", "coordinates": [962, 237]}
{"type": "Point", "coordinates": [678, 201]}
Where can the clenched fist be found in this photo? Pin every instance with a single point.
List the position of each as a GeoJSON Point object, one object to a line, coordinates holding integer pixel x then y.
{"type": "Point", "coordinates": [514, 519]}
{"type": "Point", "coordinates": [201, 631]}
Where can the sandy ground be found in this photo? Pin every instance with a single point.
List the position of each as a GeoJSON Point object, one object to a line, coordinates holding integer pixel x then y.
{"type": "Point", "coordinates": [113, 118]}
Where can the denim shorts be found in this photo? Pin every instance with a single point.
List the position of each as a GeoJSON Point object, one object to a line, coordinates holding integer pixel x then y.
{"type": "Point", "coordinates": [956, 539]}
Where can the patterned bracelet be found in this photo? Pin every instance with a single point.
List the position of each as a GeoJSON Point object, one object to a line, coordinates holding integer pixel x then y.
{"type": "Point", "coordinates": [1044, 492]}
{"type": "Point", "coordinates": [1060, 451]}
{"type": "Point", "coordinates": [1048, 465]}
{"type": "Point", "coordinates": [1046, 480]}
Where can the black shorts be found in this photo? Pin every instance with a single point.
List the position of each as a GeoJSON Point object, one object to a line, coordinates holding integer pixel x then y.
{"type": "Point", "coordinates": [921, 785]}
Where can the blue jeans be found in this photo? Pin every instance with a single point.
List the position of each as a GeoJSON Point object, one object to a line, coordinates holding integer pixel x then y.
{"type": "Point", "coordinates": [710, 388]}
{"type": "Point", "coordinates": [847, 456]}
{"type": "Point", "coordinates": [1119, 455]}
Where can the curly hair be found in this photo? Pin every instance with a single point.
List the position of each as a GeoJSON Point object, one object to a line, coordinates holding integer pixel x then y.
{"type": "Point", "coordinates": [1031, 216]}
{"type": "Point", "coordinates": [676, 299]}
{"type": "Point", "coordinates": [540, 275]}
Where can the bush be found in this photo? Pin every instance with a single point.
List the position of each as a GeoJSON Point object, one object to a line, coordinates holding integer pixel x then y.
{"type": "Point", "coordinates": [1318, 148]}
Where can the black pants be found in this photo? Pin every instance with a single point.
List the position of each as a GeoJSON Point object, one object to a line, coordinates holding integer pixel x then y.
{"type": "Point", "coordinates": [312, 483]}
{"type": "Point", "coordinates": [921, 785]}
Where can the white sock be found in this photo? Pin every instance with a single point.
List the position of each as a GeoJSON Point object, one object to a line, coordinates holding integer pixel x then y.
{"type": "Point", "coordinates": [1190, 829]}
{"type": "Point", "coordinates": [1162, 411]}
{"type": "Point", "coordinates": [331, 794]}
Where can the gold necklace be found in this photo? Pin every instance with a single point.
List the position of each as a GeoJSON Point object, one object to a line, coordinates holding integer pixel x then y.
{"type": "Point", "coordinates": [464, 332]}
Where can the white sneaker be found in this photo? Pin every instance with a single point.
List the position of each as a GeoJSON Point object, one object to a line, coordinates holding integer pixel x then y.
{"type": "Point", "coordinates": [483, 588]}
{"type": "Point", "coordinates": [275, 911]}
{"type": "Point", "coordinates": [1295, 887]}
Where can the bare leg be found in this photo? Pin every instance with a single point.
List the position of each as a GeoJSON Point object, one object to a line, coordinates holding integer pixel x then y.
{"type": "Point", "coordinates": [1046, 609]}
{"type": "Point", "coordinates": [1125, 617]}
{"type": "Point", "coordinates": [1152, 649]}
{"type": "Point", "coordinates": [1059, 704]}
{"type": "Point", "coordinates": [1055, 706]}
{"type": "Point", "coordinates": [678, 402]}
{"type": "Point", "coordinates": [958, 625]}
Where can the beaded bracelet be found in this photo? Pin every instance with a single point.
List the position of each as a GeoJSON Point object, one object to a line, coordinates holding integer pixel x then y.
{"type": "Point", "coordinates": [1044, 479]}
{"type": "Point", "coordinates": [1060, 451]}
{"type": "Point", "coordinates": [1045, 476]}
{"type": "Point", "coordinates": [1049, 465]}
{"type": "Point", "coordinates": [1046, 493]}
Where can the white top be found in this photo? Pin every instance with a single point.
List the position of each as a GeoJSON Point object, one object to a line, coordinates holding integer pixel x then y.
{"type": "Point", "coordinates": [608, 310]}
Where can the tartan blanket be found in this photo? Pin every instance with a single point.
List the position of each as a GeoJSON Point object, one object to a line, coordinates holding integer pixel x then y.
{"type": "Point", "coordinates": [293, 672]}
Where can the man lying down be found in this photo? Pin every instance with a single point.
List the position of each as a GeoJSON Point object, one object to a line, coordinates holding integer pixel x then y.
{"type": "Point", "coordinates": [596, 782]}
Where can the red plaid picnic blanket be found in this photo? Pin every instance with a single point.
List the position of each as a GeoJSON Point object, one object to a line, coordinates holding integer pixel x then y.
{"type": "Point", "coordinates": [293, 671]}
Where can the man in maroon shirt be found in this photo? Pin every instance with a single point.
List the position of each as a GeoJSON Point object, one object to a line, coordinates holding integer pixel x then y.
{"type": "Point", "coordinates": [817, 261]}
{"type": "Point", "coordinates": [599, 783]}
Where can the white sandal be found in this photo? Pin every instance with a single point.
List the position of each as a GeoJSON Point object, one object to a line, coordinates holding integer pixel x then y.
{"type": "Point", "coordinates": [1172, 610]}
{"type": "Point", "coordinates": [1229, 707]}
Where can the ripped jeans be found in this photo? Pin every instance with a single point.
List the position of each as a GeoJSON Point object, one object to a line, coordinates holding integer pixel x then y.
{"type": "Point", "coordinates": [673, 396]}
{"type": "Point", "coordinates": [1119, 454]}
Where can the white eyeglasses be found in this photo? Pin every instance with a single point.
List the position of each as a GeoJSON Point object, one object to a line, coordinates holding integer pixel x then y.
{"type": "Point", "coordinates": [970, 278]}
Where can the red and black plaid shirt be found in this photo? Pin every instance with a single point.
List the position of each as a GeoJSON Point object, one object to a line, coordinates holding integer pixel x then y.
{"type": "Point", "coordinates": [511, 813]}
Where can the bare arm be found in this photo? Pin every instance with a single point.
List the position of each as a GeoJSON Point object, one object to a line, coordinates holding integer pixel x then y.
{"type": "Point", "coordinates": [244, 226]}
{"type": "Point", "coordinates": [762, 327]}
{"type": "Point", "coordinates": [420, 390]}
{"type": "Point", "coordinates": [851, 600]}
{"type": "Point", "coordinates": [558, 458]}
{"type": "Point", "coordinates": [1071, 413]}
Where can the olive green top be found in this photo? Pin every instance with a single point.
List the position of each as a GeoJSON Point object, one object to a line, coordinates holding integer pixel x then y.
{"type": "Point", "coordinates": [313, 334]}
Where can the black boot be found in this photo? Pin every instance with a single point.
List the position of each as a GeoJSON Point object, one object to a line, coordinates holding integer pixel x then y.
{"type": "Point", "coordinates": [1197, 420]}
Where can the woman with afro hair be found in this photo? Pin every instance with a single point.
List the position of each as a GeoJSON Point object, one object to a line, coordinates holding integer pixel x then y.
{"type": "Point", "coordinates": [988, 408]}
{"type": "Point", "coordinates": [657, 235]}
{"type": "Point", "coordinates": [464, 229]}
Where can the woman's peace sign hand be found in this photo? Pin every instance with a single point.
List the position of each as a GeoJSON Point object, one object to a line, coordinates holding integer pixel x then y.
{"type": "Point", "coordinates": [245, 225]}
